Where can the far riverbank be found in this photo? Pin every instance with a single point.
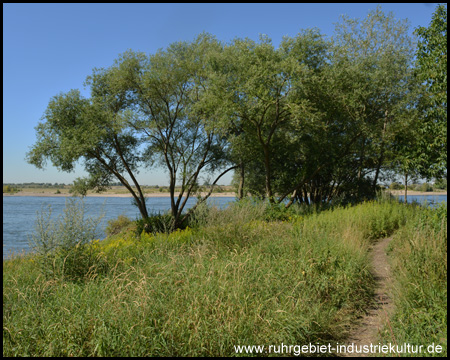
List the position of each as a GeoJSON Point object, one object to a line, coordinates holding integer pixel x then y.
{"type": "Point", "coordinates": [151, 195]}
{"type": "Point", "coordinates": [166, 194]}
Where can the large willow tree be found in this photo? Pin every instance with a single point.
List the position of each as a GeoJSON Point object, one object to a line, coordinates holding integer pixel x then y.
{"type": "Point", "coordinates": [170, 91]}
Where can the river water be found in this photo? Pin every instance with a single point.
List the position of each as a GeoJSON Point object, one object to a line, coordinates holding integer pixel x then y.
{"type": "Point", "coordinates": [19, 213]}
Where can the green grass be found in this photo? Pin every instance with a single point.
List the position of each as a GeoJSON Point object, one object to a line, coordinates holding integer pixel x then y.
{"type": "Point", "coordinates": [419, 258]}
{"type": "Point", "coordinates": [241, 276]}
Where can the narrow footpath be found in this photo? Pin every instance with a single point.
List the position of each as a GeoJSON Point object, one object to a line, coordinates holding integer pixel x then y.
{"type": "Point", "coordinates": [366, 332]}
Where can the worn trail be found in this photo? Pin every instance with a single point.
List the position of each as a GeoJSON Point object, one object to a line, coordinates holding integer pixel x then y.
{"type": "Point", "coordinates": [370, 325]}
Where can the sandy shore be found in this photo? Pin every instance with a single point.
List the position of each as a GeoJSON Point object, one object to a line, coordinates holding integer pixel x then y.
{"type": "Point", "coordinates": [48, 194]}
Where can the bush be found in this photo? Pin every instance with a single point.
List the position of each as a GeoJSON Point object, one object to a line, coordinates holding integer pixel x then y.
{"type": "Point", "coordinates": [425, 187]}
{"type": "Point", "coordinates": [9, 189]}
{"type": "Point", "coordinates": [396, 186]}
{"type": "Point", "coordinates": [156, 223]}
{"type": "Point", "coordinates": [62, 245]}
{"type": "Point", "coordinates": [441, 184]}
{"type": "Point", "coordinates": [118, 225]}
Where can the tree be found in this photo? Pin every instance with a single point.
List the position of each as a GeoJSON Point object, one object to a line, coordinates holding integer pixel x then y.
{"type": "Point", "coordinates": [441, 183]}
{"type": "Point", "coordinates": [93, 130]}
{"type": "Point", "coordinates": [431, 70]}
{"type": "Point", "coordinates": [258, 92]}
{"type": "Point", "coordinates": [420, 145]}
{"type": "Point", "coordinates": [170, 91]}
{"type": "Point", "coordinates": [373, 61]}
{"type": "Point", "coordinates": [356, 91]}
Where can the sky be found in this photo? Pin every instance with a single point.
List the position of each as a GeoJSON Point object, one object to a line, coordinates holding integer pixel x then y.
{"type": "Point", "coordinates": [50, 49]}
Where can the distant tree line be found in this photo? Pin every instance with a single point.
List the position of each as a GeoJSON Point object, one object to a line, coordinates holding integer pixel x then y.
{"type": "Point", "coordinates": [440, 184]}
{"type": "Point", "coordinates": [36, 185]}
{"type": "Point", "coordinates": [315, 120]}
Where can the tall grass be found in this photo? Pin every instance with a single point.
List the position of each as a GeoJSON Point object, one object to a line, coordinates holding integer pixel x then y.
{"type": "Point", "coordinates": [234, 277]}
{"type": "Point", "coordinates": [419, 255]}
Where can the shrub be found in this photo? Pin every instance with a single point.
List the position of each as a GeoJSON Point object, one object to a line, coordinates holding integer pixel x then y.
{"type": "Point", "coordinates": [425, 187]}
{"type": "Point", "coordinates": [396, 186]}
{"type": "Point", "coordinates": [62, 245]}
{"type": "Point", "coordinates": [9, 189]}
{"type": "Point", "coordinates": [118, 225]}
{"type": "Point", "coordinates": [155, 223]}
{"type": "Point", "coordinates": [441, 184]}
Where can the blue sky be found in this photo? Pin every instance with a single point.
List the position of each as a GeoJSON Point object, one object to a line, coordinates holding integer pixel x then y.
{"type": "Point", "coordinates": [51, 48]}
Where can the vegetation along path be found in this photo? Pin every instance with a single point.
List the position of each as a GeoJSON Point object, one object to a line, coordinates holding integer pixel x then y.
{"type": "Point", "coordinates": [366, 332]}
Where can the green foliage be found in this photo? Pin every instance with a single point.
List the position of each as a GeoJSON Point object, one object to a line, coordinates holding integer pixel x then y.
{"type": "Point", "coordinates": [279, 212]}
{"type": "Point", "coordinates": [172, 94]}
{"type": "Point", "coordinates": [431, 71]}
{"type": "Point", "coordinates": [415, 187]}
{"type": "Point", "coordinates": [81, 186]}
{"type": "Point", "coordinates": [238, 213]}
{"type": "Point", "coordinates": [93, 130]}
{"type": "Point", "coordinates": [419, 253]}
{"type": "Point", "coordinates": [156, 223]}
{"type": "Point", "coordinates": [432, 59]}
{"type": "Point", "coordinates": [396, 186]}
{"type": "Point", "coordinates": [425, 187]}
{"type": "Point", "coordinates": [10, 189]}
{"type": "Point", "coordinates": [62, 245]}
{"type": "Point", "coordinates": [258, 89]}
{"type": "Point", "coordinates": [115, 226]}
{"type": "Point", "coordinates": [434, 218]}
{"type": "Point", "coordinates": [441, 184]}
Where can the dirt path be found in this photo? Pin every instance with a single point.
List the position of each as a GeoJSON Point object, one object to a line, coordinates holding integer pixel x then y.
{"type": "Point", "coordinates": [366, 332]}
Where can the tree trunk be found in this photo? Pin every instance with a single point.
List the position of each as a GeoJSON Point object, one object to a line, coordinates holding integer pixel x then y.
{"type": "Point", "coordinates": [361, 158]}
{"type": "Point", "coordinates": [268, 174]}
{"type": "Point", "coordinates": [406, 186]}
{"type": "Point", "coordinates": [173, 204]}
{"type": "Point", "coordinates": [381, 158]}
{"type": "Point", "coordinates": [293, 197]}
{"type": "Point", "coordinates": [241, 181]}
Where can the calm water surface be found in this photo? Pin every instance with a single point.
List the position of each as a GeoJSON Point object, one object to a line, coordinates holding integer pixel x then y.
{"type": "Point", "coordinates": [19, 213]}
{"type": "Point", "coordinates": [427, 200]}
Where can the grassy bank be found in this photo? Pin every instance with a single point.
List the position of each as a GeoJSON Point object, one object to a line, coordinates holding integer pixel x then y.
{"type": "Point", "coordinates": [419, 258]}
{"type": "Point", "coordinates": [246, 275]}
